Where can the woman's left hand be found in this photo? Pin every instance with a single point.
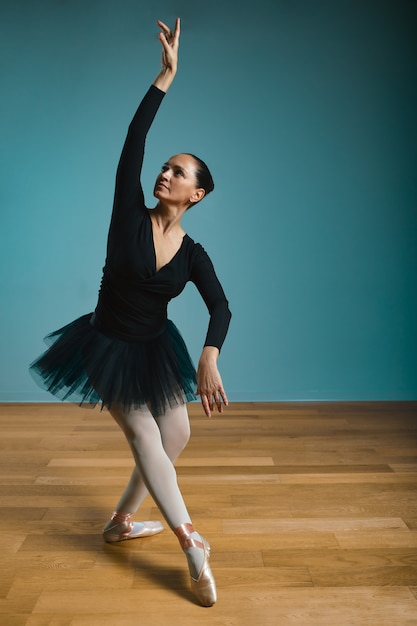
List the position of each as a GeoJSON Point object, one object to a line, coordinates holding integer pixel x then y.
{"type": "Point", "coordinates": [209, 382]}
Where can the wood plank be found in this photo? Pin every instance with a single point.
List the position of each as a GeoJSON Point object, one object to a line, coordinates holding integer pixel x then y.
{"type": "Point", "coordinates": [310, 508]}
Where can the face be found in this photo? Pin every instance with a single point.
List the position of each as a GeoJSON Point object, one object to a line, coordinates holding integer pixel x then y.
{"type": "Point", "coordinates": [177, 182]}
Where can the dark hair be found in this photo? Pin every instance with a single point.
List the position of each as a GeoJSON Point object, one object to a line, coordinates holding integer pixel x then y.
{"type": "Point", "coordinates": [203, 175]}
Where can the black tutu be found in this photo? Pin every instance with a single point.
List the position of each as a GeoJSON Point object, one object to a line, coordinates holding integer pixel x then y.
{"type": "Point", "coordinates": [88, 367]}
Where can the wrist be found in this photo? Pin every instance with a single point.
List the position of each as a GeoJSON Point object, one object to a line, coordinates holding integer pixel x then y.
{"type": "Point", "coordinates": [164, 79]}
{"type": "Point", "coordinates": [209, 353]}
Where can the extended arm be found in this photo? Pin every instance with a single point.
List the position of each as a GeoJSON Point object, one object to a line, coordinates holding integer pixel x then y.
{"type": "Point", "coordinates": [128, 191]}
{"type": "Point", "coordinates": [209, 382]}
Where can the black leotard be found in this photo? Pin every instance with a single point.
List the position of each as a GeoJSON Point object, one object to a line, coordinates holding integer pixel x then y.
{"type": "Point", "coordinates": [134, 296]}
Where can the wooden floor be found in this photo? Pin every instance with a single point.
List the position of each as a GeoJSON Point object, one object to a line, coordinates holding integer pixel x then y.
{"type": "Point", "coordinates": [311, 510]}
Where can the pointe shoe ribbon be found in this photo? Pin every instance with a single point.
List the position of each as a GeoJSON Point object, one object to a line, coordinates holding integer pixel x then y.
{"type": "Point", "coordinates": [130, 529]}
{"type": "Point", "coordinates": [203, 587]}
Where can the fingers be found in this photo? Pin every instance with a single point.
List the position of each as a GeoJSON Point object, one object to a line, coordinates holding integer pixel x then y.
{"type": "Point", "coordinates": [177, 28]}
{"type": "Point", "coordinates": [206, 405]}
{"type": "Point", "coordinates": [170, 45]}
{"type": "Point", "coordinates": [216, 399]}
{"type": "Point", "coordinates": [223, 397]}
{"type": "Point", "coordinates": [167, 31]}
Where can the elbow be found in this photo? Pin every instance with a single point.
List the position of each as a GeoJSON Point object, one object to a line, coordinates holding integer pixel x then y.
{"type": "Point", "coordinates": [221, 308]}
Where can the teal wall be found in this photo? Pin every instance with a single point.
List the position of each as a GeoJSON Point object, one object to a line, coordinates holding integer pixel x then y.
{"type": "Point", "coordinates": [306, 112]}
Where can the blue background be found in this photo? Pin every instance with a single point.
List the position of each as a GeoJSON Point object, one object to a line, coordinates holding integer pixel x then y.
{"type": "Point", "coordinates": [305, 112]}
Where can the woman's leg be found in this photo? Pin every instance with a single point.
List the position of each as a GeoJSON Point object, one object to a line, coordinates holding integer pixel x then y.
{"type": "Point", "coordinates": [148, 436]}
{"type": "Point", "coordinates": [153, 464]}
{"type": "Point", "coordinates": [174, 427]}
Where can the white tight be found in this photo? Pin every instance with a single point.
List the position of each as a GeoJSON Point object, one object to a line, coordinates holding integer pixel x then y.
{"type": "Point", "coordinates": [156, 442]}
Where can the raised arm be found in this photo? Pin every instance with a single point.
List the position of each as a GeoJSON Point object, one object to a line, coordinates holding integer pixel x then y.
{"type": "Point", "coordinates": [128, 192]}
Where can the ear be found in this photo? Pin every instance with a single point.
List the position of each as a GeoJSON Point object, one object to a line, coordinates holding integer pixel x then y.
{"type": "Point", "coordinates": [197, 195]}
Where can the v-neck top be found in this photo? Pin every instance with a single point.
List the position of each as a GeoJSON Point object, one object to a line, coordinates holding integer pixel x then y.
{"type": "Point", "coordinates": [134, 296]}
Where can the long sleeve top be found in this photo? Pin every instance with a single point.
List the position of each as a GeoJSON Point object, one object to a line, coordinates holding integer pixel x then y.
{"type": "Point", "coordinates": [134, 296]}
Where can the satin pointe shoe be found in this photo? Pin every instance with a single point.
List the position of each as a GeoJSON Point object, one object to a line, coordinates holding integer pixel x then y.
{"type": "Point", "coordinates": [130, 530]}
{"type": "Point", "coordinates": [203, 587]}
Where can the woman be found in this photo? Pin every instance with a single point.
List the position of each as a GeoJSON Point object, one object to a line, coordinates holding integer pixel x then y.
{"type": "Point", "coordinates": [127, 354]}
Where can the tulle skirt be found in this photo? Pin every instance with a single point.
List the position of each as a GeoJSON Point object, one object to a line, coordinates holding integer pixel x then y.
{"type": "Point", "coordinates": [89, 367]}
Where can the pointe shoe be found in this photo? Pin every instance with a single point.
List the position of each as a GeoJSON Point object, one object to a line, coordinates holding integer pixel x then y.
{"type": "Point", "coordinates": [131, 530]}
{"type": "Point", "coordinates": [203, 587]}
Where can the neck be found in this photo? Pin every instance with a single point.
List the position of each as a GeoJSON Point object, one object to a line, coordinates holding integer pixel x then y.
{"type": "Point", "coordinates": [167, 217]}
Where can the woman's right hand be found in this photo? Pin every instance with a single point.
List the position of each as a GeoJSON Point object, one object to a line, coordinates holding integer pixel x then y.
{"type": "Point", "coordinates": [170, 44]}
